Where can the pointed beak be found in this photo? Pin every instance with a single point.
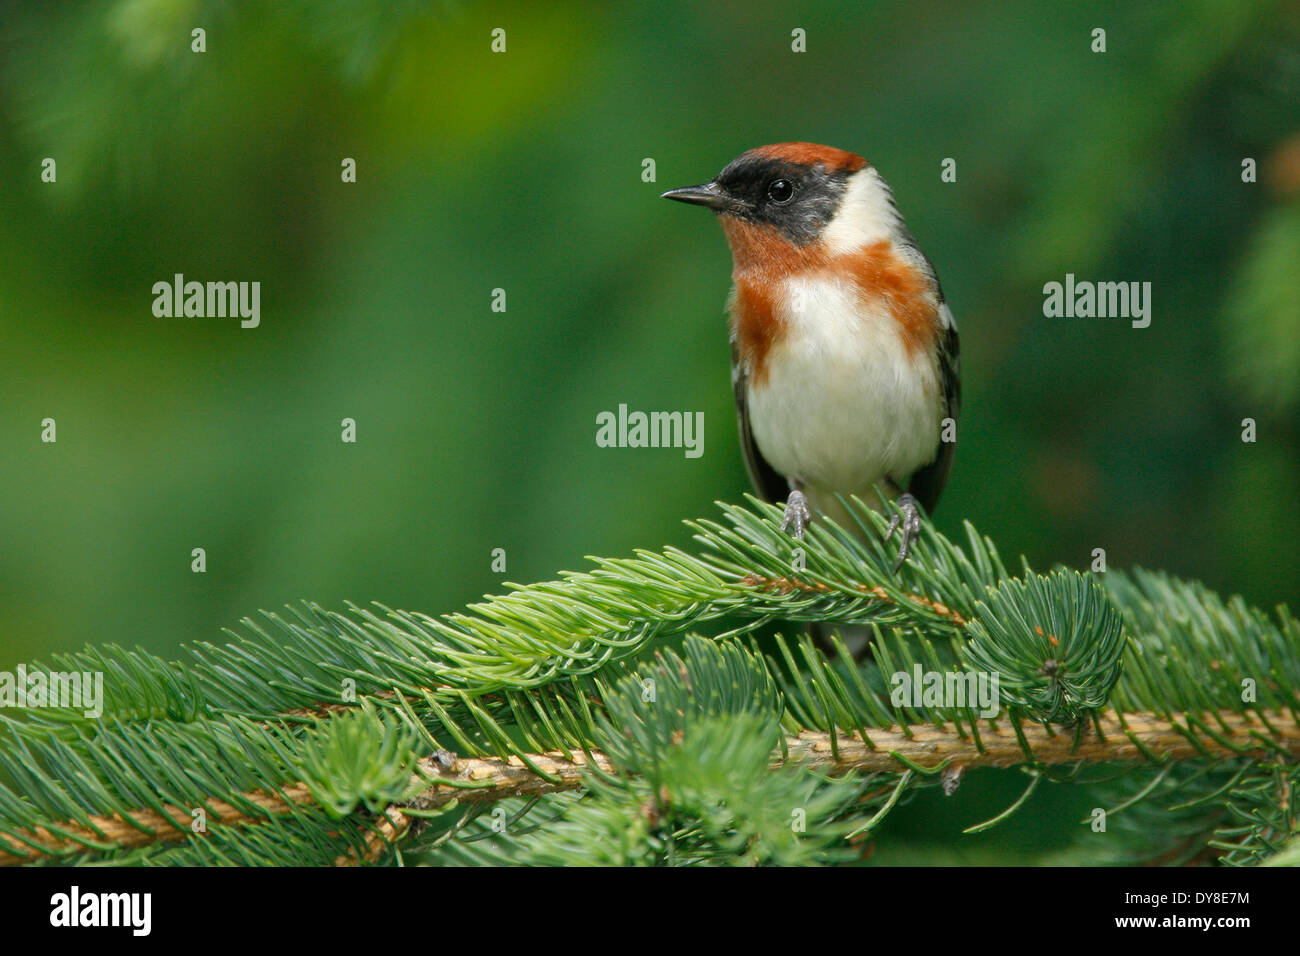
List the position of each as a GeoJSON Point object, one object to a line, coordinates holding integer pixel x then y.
{"type": "Point", "coordinates": [710, 194]}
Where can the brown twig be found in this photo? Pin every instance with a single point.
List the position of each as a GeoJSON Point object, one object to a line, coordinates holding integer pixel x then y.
{"type": "Point", "coordinates": [390, 827]}
{"type": "Point", "coordinates": [787, 585]}
{"type": "Point", "coordinates": [491, 778]}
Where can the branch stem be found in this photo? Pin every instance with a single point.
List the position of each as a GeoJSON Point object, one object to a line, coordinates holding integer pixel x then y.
{"type": "Point", "coordinates": [475, 779]}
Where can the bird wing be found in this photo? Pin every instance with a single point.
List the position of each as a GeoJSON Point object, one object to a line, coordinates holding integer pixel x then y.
{"type": "Point", "coordinates": [769, 484]}
{"type": "Point", "coordinates": [927, 482]}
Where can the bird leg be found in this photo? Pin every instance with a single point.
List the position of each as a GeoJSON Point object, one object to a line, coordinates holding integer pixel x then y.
{"type": "Point", "coordinates": [797, 516]}
{"type": "Point", "coordinates": [908, 518]}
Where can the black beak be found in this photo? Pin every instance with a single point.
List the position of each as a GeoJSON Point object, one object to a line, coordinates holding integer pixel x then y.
{"type": "Point", "coordinates": [710, 194]}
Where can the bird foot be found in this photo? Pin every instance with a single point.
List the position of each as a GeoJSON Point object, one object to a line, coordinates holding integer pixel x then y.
{"type": "Point", "coordinates": [908, 519]}
{"type": "Point", "coordinates": [797, 516]}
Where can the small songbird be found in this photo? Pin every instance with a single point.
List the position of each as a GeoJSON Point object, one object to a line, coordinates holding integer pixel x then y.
{"type": "Point", "coordinates": [844, 355]}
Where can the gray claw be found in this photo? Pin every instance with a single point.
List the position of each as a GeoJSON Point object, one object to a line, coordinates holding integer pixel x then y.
{"type": "Point", "coordinates": [797, 515]}
{"type": "Point", "coordinates": [908, 517]}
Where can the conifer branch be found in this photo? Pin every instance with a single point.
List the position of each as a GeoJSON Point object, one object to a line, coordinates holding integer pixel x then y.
{"type": "Point", "coordinates": [1112, 738]}
{"type": "Point", "coordinates": [599, 683]}
{"type": "Point", "coordinates": [141, 827]}
{"type": "Point", "coordinates": [391, 826]}
{"type": "Point", "coordinates": [788, 585]}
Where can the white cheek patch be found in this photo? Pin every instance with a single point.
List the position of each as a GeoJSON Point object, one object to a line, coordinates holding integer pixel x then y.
{"type": "Point", "coordinates": [866, 214]}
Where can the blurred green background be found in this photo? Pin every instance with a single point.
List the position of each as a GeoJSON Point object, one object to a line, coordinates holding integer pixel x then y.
{"type": "Point", "coordinates": [522, 171]}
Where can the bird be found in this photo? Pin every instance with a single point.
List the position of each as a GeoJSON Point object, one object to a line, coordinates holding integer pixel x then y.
{"type": "Point", "coordinates": [844, 353]}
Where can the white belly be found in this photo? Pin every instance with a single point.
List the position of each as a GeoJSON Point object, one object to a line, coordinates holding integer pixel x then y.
{"type": "Point", "coordinates": [844, 406]}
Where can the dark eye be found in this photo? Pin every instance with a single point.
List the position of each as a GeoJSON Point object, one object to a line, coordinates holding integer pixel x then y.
{"type": "Point", "coordinates": [780, 190]}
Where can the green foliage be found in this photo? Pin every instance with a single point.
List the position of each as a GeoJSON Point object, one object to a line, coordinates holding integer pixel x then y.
{"type": "Point", "coordinates": [647, 717]}
{"type": "Point", "coordinates": [692, 738]}
{"type": "Point", "coordinates": [696, 728]}
{"type": "Point", "coordinates": [137, 685]}
{"type": "Point", "coordinates": [359, 758]}
{"type": "Point", "coordinates": [1260, 815]}
{"type": "Point", "coordinates": [1056, 641]}
{"type": "Point", "coordinates": [1190, 650]}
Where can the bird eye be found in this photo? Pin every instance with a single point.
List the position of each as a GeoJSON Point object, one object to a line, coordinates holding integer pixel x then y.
{"type": "Point", "coordinates": [780, 191]}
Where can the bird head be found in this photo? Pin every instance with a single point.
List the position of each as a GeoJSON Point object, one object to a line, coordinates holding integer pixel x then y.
{"type": "Point", "coordinates": [795, 199]}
